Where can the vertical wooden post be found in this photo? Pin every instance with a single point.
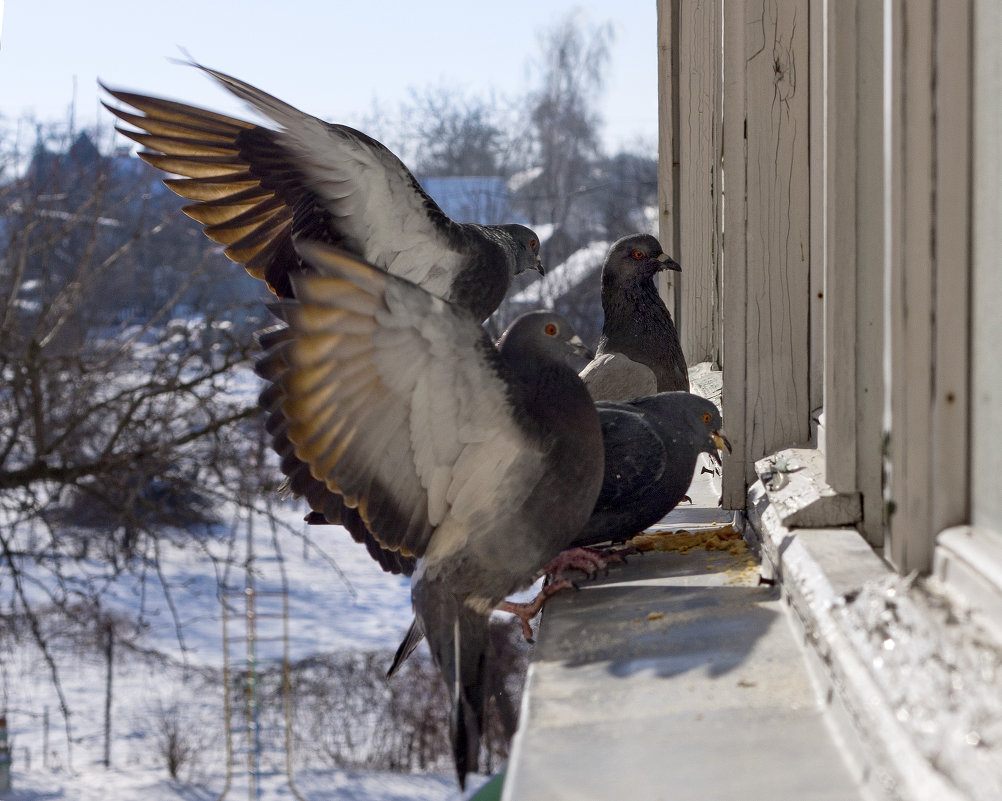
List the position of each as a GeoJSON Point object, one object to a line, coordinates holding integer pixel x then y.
{"type": "Point", "coordinates": [869, 268]}
{"type": "Point", "coordinates": [768, 274]}
{"type": "Point", "coordinates": [838, 188]}
{"type": "Point", "coordinates": [952, 254]}
{"type": "Point", "coordinates": [911, 244]}
{"type": "Point", "coordinates": [986, 235]}
{"type": "Point", "coordinates": [738, 468]}
{"type": "Point", "coordinates": [668, 160]}
{"type": "Point", "coordinates": [698, 131]}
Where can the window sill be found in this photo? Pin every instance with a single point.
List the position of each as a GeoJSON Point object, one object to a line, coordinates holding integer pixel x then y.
{"type": "Point", "coordinates": [869, 634]}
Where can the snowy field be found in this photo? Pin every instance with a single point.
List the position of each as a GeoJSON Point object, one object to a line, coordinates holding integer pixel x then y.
{"type": "Point", "coordinates": [338, 600]}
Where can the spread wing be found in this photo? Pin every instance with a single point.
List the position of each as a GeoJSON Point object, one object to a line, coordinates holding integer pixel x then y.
{"type": "Point", "coordinates": [395, 399]}
{"type": "Point", "coordinates": [255, 188]}
{"type": "Point", "coordinates": [635, 456]}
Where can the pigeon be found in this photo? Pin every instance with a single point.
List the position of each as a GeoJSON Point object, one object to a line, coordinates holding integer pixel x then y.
{"type": "Point", "coordinates": [651, 448]}
{"type": "Point", "coordinates": [255, 188]}
{"type": "Point", "coordinates": [639, 352]}
{"type": "Point", "coordinates": [480, 463]}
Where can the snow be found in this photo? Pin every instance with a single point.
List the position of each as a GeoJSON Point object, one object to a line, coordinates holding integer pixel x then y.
{"type": "Point", "coordinates": [564, 276]}
{"type": "Point", "coordinates": [339, 601]}
{"type": "Point", "coordinates": [329, 785]}
{"type": "Point", "coordinates": [949, 701]}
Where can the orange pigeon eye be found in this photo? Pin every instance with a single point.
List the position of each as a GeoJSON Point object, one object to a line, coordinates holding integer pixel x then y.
{"type": "Point", "coordinates": [551, 329]}
{"type": "Point", "coordinates": [707, 417]}
{"type": "Point", "coordinates": [637, 255]}
{"type": "Point", "coordinates": [533, 244]}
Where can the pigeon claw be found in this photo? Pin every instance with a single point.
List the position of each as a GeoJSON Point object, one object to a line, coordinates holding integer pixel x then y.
{"type": "Point", "coordinates": [528, 610]}
{"type": "Point", "coordinates": [588, 560]}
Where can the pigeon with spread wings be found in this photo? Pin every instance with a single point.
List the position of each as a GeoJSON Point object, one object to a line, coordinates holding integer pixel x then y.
{"type": "Point", "coordinates": [255, 188]}
{"type": "Point", "coordinates": [481, 463]}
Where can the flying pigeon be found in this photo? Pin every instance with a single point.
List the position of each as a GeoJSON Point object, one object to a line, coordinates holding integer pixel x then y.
{"type": "Point", "coordinates": [651, 448]}
{"type": "Point", "coordinates": [255, 188]}
{"type": "Point", "coordinates": [639, 352]}
{"type": "Point", "coordinates": [480, 463]}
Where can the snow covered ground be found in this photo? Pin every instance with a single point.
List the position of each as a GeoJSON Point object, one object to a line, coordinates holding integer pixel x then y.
{"type": "Point", "coordinates": [338, 601]}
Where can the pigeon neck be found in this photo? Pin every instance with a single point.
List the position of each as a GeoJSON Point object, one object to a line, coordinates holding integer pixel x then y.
{"type": "Point", "coordinates": [633, 315]}
{"type": "Point", "coordinates": [553, 397]}
{"type": "Point", "coordinates": [482, 287]}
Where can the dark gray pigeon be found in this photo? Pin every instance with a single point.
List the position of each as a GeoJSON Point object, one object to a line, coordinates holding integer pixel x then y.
{"type": "Point", "coordinates": [651, 448]}
{"type": "Point", "coordinates": [639, 352]}
{"type": "Point", "coordinates": [256, 188]}
{"type": "Point", "coordinates": [479, 463]}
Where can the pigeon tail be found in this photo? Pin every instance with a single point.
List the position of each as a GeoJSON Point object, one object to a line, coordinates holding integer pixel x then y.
{"type": "Point", "coordinates": [411, 641]}
{"type": "Point", "coordinates": [459, 639]}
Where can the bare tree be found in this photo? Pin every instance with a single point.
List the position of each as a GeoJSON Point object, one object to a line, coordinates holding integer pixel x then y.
{"type": "Point", "coordinates": [119, 426]}
{"type": "Point", "coordinates": [564, 137]}
{"type": "Point", "coordinates": [458, 135]}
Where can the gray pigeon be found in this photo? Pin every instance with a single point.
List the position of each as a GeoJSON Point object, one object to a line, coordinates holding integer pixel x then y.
{"type": "Point", "coordinates": [256, 188]}
{"type": "Point", "coordinates": [651, 448]}
{"type": "Point", "coordinates": [480, 463]}
{"type": "Point", "coordinates": [639, 351]}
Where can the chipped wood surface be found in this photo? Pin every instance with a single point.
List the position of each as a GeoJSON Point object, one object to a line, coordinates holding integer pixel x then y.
{"type": "Point", "coordinates": [795, 483]}
{"type": "Point", "coordinates": [766, 231]}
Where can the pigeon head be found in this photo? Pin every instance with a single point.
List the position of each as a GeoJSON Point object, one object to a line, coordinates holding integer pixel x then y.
{"type": "Point", "coordinates": [702, 418]}
{"type": "Point", "coordinates": [526, 248]}
{"type": "Point", "coordinates": [542, 336]}
{"type": "Point", "coordinates": [634, 260]}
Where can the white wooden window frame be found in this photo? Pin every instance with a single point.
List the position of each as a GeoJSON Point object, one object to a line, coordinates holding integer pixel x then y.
{"type": "Point", "coordinates": [891, 329]}
{"type": "Point", "coordinates": [968, 557]}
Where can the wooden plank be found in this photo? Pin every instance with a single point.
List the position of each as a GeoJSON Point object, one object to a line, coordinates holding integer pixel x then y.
{"type": "Point", "coordinates": [952, 265]}
{"type": "Point", "coordinates": [698, 150]}
{"type": "Point", "coordinates": [739, 466]}
{"type": "Point", "coordinates": [911, 243]}
{"type": "Point", "coordinates": [869, 268]}
{"type": "Point", "coordinates": [668, 157]}
{"type": "Point", "coordinates": [986, 233]}
{"type": "Point", "coordinates": [818, 134]}
{"type": "Point", "coordinates": [777, 410]}
{"type": "Point", "coordinates": [840, 245]}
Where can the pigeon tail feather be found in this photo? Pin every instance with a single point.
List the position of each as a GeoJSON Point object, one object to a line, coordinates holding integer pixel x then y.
{"type": "Point", "coordinates": [459, 640]}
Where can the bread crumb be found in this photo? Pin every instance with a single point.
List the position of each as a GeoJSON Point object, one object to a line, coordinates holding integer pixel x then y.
{"type": "Point", "coordinates": [726, 538]}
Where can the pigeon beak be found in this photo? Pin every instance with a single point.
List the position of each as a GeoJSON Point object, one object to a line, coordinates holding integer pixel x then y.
{"type": "Point", "coordinates": [539, 266]}
{"type": "Point", "coordinates": [668, 263]}
{"type": "Point", "coordinates": [720, 442]}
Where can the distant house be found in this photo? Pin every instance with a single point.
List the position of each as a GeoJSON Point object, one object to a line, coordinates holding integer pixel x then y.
{"type": "Point", "coordinates": [480, 199]}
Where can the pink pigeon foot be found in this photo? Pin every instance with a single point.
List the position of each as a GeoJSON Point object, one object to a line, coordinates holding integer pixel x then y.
{"type": "Point", "coordinates": [527, 611]}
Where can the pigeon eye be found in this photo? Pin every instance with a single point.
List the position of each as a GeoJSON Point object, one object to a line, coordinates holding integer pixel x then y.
{"type": "Point", "coordinates": [637, 255]}
{"type": "Point", "coordinates": [707, 417]}
{"type": "Point", "coordinates": [533, 244]}
{"type": "Point", "coordinates": [551, 329]}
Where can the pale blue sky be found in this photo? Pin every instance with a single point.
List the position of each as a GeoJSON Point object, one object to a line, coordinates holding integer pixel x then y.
{"type": "Point", "coordinates": [329, 58]}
